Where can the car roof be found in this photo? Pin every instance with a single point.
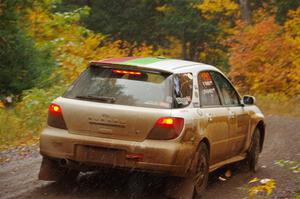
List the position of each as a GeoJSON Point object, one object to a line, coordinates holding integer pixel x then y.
{"type": "Point", "coordinates": [156, 63]}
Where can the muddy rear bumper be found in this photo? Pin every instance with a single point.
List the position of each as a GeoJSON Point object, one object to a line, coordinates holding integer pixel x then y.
{"type": "Point", "coordinates": [170, 157]}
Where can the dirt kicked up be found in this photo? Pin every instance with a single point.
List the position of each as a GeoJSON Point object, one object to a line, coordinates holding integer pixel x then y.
{"type": "Point", "coordinates": [18, 173]}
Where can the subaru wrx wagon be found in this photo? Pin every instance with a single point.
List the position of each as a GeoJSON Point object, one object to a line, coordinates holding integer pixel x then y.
{"type": "Point", "coordinates": [157, 115]}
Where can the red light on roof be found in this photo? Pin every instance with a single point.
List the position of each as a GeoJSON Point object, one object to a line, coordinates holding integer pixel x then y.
{"type": "Point", "coordinates": [54, 108]}
{"type": "Point", "coordinates": [127, 72]}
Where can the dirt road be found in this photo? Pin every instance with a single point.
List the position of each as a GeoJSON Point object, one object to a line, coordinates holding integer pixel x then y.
{"type": "Point", "coordinates": [18, 177]}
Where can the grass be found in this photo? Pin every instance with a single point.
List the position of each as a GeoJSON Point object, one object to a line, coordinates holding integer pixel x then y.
{"type": "Point", "coordinates": [279, 105]}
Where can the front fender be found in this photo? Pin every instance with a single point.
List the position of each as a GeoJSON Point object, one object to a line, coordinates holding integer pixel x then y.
{"type": "Point", "coordinates": [256, 120]}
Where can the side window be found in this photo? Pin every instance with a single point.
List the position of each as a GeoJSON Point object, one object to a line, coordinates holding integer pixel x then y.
{"type": "Point", "coordinates": [227, 92]}
{"type": "Point", "coordinates": [183, 89]}
{"type": "Point", "coordinates": [208, 93]}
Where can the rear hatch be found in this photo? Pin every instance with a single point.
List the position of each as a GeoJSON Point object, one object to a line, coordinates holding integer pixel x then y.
{"type": "Point", "coordinates": [115, 103]}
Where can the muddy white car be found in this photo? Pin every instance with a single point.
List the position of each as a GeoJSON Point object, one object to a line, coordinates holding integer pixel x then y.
{"type": "Point", "coordinates": [168, 116]}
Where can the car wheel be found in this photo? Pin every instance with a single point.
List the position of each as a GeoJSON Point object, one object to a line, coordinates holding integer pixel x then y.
{"type": "Point", "coordinates": [179, 187]}
{"type": "Point", "coordinates": [201, 171]}
{"type": "Point", "coordinates": [254, 151]}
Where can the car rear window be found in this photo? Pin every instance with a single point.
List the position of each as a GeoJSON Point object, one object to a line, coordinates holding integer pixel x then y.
{"type": "Point", "coordinates": [124, 87]}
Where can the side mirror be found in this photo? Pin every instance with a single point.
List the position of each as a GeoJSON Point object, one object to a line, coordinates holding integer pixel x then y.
{"type": "Point", "coordinates": [249, 100]}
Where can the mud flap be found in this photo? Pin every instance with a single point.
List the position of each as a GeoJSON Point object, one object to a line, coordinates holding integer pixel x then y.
{"type": "Point", "coordinates": [180, 188]}
{"type": "Point", "coordinates": [50, 170]}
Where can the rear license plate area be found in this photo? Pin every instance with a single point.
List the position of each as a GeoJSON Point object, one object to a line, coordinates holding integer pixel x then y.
{"type": "Point", "coordinates": [100, 155]}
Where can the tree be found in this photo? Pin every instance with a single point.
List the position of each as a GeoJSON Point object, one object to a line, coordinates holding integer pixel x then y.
{"type": "Point", "coordinates": [245, 11]}
{"type": "Point", "coordinates": [183, 21]}
{"type": "Point", "coordinates": [225, 12]}
{"type": "Point", "coordinates": [292, 32]}
{"type": "Point", "coordinates": [262, 59]}
{"type": "Point", "coordinates": [22, 65]}
{"type": "Point", "coordinates": [153, 22]}
{"type": "Point", "coordinates": [133, 21]}
{"type": "Point", "coordinates": [283, 7]}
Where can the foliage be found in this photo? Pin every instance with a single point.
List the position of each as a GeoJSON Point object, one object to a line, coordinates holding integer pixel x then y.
{"type": "Point", "coordinates": [284, 7]}
{"type": "Point", "coordinates": [131, 21]}
{"type": "Point", "coordinates": [224, 12]}
{"type": "Point", "coordinates": [292, 27]}
{"type": "Point", "coordinates": [218, 8]}
{"type": "Point", "coordinates": [22, 65]}
{"type": "Point", "coordinates": [164, 22]}
{"type": "Point", "coordinates": [74, 45]}
{"type": "Point", "coordinates": [22, 123]}
{"type": "Point", "coordinates": [290, 165]}
{"type": "Point", "coordinates": [259, 188]}
{"type": "Point", "coordinates": [263, 49]}
{"type": "Point", "coordinates": [183, 21]}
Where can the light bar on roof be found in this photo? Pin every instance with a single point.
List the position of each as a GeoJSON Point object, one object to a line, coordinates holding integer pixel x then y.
{"type": "Point", "coordinates": [127, 72]}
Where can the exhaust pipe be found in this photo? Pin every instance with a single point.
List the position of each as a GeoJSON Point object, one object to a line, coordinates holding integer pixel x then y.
{"type": "Point", "coordinates": [68, 163]}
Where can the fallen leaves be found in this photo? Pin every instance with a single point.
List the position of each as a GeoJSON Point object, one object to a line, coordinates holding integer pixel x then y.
{"type": "Point", "coordinates": [294, 166]}
{"type": "Point", "coordinates": [4, 159]}
{"type": "Point", "coordinates": [260, 187]}
{"type": "Point", "coordinates": [253, 180]}
{"type": "Point", "coordinates": [18, 153]}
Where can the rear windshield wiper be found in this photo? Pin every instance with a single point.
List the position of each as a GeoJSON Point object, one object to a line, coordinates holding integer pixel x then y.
{"type": "Point", "coordinates": [97, 98]}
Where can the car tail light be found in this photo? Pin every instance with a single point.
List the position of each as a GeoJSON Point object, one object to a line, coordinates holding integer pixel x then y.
{"type": "Point", "coordinates": [55, 117]}
{"type": "Point", "coordinates": [127, 72]}
{"type": "Point", "coordinates": [166, 128]}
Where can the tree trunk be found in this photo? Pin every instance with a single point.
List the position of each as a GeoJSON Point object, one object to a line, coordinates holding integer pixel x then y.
{"type": "Point", "coordinates": [193, 52]}
{"type": "Point", "coordinates": [183, 50]}
{"type": "Point", "coordinates": [196, 55]}
{"type": "Point", "coordinates": [88, 3]}
{"type": "Point", "coordinates": [183, 46]}
{"type": "Point", "coordinates": [245, 11]}
{"type": "Point", "coordinates": [131, 49]}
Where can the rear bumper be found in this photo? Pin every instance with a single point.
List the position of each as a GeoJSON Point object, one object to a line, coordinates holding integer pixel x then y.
{"type": "Point", "coordinates": [170, 157]}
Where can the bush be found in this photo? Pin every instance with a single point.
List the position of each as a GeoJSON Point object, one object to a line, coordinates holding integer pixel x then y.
{"type": "Point", "coordinates": [24, 122]}
{"type": "Point", "coordinates": [22, 65]}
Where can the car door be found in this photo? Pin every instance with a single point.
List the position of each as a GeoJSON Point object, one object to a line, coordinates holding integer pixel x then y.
{"type": "Point", "coordinates": [238, 117]}
{"type": "Point", "coordinates": [213, 118]}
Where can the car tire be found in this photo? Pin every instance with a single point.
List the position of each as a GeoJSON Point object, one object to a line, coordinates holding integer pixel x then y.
{"type": "Point", "coordinates": [254, 151]}
{"type": "Point", "coordinates": [179, 187]}
{"type": "Point", "coordinates": [202, 171]}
